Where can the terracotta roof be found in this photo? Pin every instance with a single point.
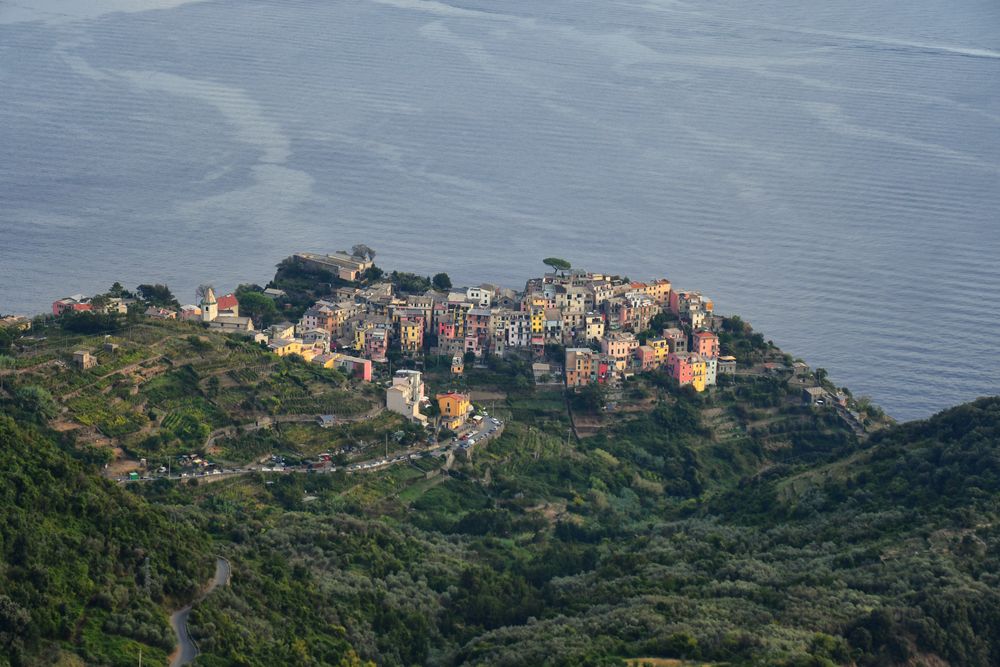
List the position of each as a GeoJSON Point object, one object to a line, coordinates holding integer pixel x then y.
{"type": "Point", "coordinates": [453, 394]}
{"type": "Point", "coordinates": [226, 302]}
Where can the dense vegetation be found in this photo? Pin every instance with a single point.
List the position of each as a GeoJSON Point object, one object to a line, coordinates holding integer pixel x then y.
{"type": "Point", "coordinates": [738, 527]}
{"type": "Point", "coordinates": [631, 544]}
{"type": "Point", "coordinates": [86, 565]}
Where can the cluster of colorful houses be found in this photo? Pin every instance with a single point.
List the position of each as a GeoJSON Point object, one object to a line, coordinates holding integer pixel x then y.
{"type": "Point", "coordinates": [602, 321]}
{"type": "Point", "coordinates": [597, 317]}
{"type": "Point", "coordinates": [689, 359]}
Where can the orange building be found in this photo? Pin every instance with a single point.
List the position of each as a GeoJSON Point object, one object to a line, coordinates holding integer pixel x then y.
{"type": "Point", "coordinates": [659, 290]}
{"type": "Point", "coordinates": [580, 362]}
{"type": "Point", "coordinates": [454, 408]}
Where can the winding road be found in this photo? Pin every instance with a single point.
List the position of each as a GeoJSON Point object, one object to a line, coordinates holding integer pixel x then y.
{"type": "Point", "coordinates": [186, 650]}
{"type": "Point", "coordinates": [482, 433]}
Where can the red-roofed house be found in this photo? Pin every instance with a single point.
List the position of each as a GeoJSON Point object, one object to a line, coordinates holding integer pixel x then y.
{"type": "Point", "coordinates": [228, 305]}
{"type": "Point", "coordinates": [76, 303]}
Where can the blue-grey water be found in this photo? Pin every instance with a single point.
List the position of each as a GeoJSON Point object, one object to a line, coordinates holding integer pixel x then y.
{"type": "Point", "coordinates": [831, 171]}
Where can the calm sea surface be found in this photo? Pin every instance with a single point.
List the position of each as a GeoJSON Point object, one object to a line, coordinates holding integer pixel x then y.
{"type": "Point", "coordinates": [829, 170]}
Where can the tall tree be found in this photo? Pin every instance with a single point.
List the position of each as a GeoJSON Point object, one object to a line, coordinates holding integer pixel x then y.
{"type": "Point", "coordinates": [157, 295]}
{"type": "Point", "coordinates": [203, 290]}
{"type": "Point", "coordinates": [441, 282]}
{"type": "Point", "coordinates": [259, 307]}
{"type": "Point", "coordinates": [557, 264]}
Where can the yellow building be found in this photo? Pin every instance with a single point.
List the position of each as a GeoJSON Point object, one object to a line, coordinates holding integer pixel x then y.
{"type": "Point", "coordinates": [538, 301]}
{"type": "Point", "coordinates": [309, 353]}
{"type": "Point", "coordinates": [595, 326]}
{"type": "Point", "coordinates": [659, 290]}
{"type": "Point", "coordinates": [454, 408]}
{"type": "Point", "coordinates": [285, 346]}
{"type": "Point", "coordinates": [698, 374]}
{"type": "Point", "coordinates": [359, 338]}
{"type": "Point", "coordinates": [457, 365]}
{"type": "Point", "coordinates": [325, 360]}
{"type": "Point", "coordinates": [661, 348]}
{"type": "Point", "coordinates": [537, 320]}
{"type": "Point", "coordinates": [411, 336]}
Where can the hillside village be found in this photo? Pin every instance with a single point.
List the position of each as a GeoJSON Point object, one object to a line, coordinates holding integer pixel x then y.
{"type": "Point", "coordinates": [602, 321]}
{"type": "Point", "coordinates": [602, 328]}
{"type": "Point", "coordinates": [573, 332]}
{"type": "Point", "coordinates": [582, 401]}
{"type": "Point", "coordinates": [597, 317]}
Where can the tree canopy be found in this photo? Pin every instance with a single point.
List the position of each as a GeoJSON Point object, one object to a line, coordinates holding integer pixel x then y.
{"type": "Point", "coordinates": [157, 295]}
{"type": "Point", "coordinates": [441, 282]}
{"type": "Point", "coordinates": [557, 264]}
{"type": "Point", "coordinates": [258, 306]}
{"type": "Point", "coordinates": [409, 283]}
{"type": "Point", "coordinates": [202, 290]}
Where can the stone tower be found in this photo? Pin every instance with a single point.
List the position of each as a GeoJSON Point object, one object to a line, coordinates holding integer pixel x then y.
{"type": "Point", "coordinates": [209, 306]}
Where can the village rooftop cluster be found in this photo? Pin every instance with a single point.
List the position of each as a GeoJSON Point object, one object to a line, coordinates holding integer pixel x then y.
{"type": "Point", "coordinates": [595, 317]}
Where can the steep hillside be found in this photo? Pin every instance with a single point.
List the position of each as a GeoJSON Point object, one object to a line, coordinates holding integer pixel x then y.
{"type": "Point", "coordinates": [544, 551]}
{"type": "Point", "coordinates": [738, 526]}
{"type": "Point", "coordinates": [87, 568]}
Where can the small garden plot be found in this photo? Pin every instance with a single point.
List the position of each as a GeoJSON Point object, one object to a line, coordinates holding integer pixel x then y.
{"type": "Point", "coordinates": [175, 385]}
{"type": "Point", "coordinates": [247, 447]}
{"type": "Point", "coordinates": [243, 375]}
{"type": "Point", "coordinates": [542, 409]}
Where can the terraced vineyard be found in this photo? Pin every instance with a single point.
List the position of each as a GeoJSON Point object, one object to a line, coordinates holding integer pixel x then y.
{"type": "Point", "coordinates": [167, 385]}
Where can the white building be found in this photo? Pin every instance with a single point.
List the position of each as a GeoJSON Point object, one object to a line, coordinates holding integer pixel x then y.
{"type": "Point", "coordinates": [479, 295]}
{"type": "Point", "coordinates": [711, 371]}
{"type": "Point", "coordinates": [405, 395]}
{"type": "Point", "coordinates": [519, 330]}
{"type": "Point", "coordinates": [209, 306]}
{"type": "Point", "coordinates": [229, 320]}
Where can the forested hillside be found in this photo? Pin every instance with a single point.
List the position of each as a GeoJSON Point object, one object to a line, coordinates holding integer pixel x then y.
{"type": "Point", "coordinates": [86, 565]}
{"type": "Point", "coordinates": [547, 553]}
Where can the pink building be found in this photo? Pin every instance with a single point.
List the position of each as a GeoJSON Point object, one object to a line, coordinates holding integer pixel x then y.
{"type": "Point", "coordinates": [645, 357]}
{"type": "Point", "coordinates": [705, 343]}
{"type": "Point", "coordinates": [620, 347]}
{"type": "Point", "coordinates": [675, 302]}
{"type": "Point", "coordinates": [76, 303]}
{"type": "Point", "coordinates": [447, 328]}
{"type": "Point", "coordinates": [356, 367]}
{"type": "Point", "coordinates": [679, 367]}
{"type": "Point", "coordinates": [479, 325]}
{"type": "Point", "coordinates": [689, 369]}
{"type": "Point", "coordinates": [377, 344]}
